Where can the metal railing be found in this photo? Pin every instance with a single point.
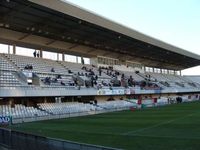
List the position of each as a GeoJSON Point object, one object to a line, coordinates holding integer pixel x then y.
{"type": "Point", "coordinates": [16, 140]}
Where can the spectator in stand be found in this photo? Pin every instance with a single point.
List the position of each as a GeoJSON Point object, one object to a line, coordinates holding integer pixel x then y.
{"type": "Point", "coordinates": [28, 67]}
{"type": "Point", "coordinates": [83, 68]}
{"type": "Point", "coordinates": [47, 80]}
{"type": "Point", "coordinates": [122, 77]}
{"type": "Point", "coordinates": [52, 70]}
{"type": "Point", "coordinates": [95, 82]}
{"type": "Point", "coordinates": [62, 83]}
{"type": "Point", "coordinates": [34, 53]}
{"type": "Point", "coordinates": [99, 86]}
{"type": "Point", "coordinates": [91, 72]}
{"type": "Point", "coordinates": [103, 83]}
{"type": "Point", "coordinates": [110, 86]}
{"type": "Point", "coordinates": [96, 77]}
{"type": "Point", "coordinates": [59, 76]}
{"type": "Point", "coordinates": [69, 71]}
{"type": "Point", "coordinates": [130, 81]}
{"type": "Point", "coordinates": [95, 102]}
{"type": "Point", "coordinates": [86, 84]}
{"type": "Point", "coordinates": [38, 54]}
{"type": "Point", "coordinates": [92, 81]}
{"type": "Point", "coordinates": [100, 71]}
{"type": "Point", "coordinates": [55, 80]}
{"type": "Point", "coordinates": [107, 72]}
{"type": "Point", "coordinates": [82, 61]}
{"type": "Point", "coordinates": [86, 74]}
{"type": "Point", "coordinates": [76, 82]}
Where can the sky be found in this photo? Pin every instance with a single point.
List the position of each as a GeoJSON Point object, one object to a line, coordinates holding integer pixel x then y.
{"type": "Point", "coordinates": [176, 22]}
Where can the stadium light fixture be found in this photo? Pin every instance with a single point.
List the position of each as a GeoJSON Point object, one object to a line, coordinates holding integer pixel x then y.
{"type": "Point", "coordinates": [87, 42]}
{"type": "Point", "coordinates": [1, 24]}
{"type": "Point", "coordinates": [79, 21]}
{"type": "Point", "coordinates": [32, 29]}
{"type": "Point", "coordinates": [7, 25]}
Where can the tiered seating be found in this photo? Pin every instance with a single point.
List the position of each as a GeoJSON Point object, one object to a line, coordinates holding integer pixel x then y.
{"type": "Point", "coordinates": [173, 80]}
{"type": "Point", "coordinates": [65, 108]}
{"type": "Point", "coordinates": [75, 68]}
{"type": "Point", "coordinates": [43, 68]}
{"type": "Point", "coordinates": [158, 76]}
{"type": "Point", "coordinates": [20, 111]}
{"type": "Point", "coordinates": [128, 71]}
{"type": "Point", "coordinates": [39, 65]}
{"type": "Point", "coordinates": [195, 79]}
{"type": "Point", "coordinates": [7, 73]}
{"type": "Point", "coordinates": [115, 104]}
{"type": "Point", "coordinates": [134, 75]}
{"type": "Point", "coordinates": [103, 79]}
{"type": "Point", "coordinates": [8, 79]}
{"type": "Point", "coordinates": [5, 65]}
{"type": "Point", "coordinates": [66, 80]}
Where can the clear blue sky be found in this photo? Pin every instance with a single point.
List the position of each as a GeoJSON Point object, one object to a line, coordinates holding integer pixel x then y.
{"type": "Point", "coordinates": [173, 21]}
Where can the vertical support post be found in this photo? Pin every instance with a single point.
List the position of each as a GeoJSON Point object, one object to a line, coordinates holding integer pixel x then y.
{"type": "Point", "coordinates": [167, 71]}
{"type": "Point", "coordinates": [57, 56]}
{"type": "Point", "coordinates": [63, 56]}
{"type": "Point", "coordinates": [41, 53]}
{"type": "Point", "coordinates": [8, 49]}
{"type": "Point", "coordinates": [14, 49]}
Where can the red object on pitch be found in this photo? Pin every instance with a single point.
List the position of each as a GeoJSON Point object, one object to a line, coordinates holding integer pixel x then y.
{"type": "Point", "coordinates": [139, 102]}
{"type": "Point", "coordinates": [132, 108]}
{"type": "Point", "coordinates": [155, 100]}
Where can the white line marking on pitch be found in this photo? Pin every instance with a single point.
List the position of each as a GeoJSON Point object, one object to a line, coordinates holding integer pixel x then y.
{"type": "Point", "coordinates": [157, 125]}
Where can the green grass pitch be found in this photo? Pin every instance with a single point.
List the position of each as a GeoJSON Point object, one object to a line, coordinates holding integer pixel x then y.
{"type": "Point", "coordinates": [174, 127]}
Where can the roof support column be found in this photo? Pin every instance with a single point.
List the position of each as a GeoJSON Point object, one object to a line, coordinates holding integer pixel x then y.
{"type": "Point", "coordinates": [153, 70]}
{"type": "Point", "coordinates": [144, 68]}
{"type": "Point", "coordinates": [63, 56]}
{"type": "Point", "coordinates": [57, 56]}
{"type": "Point", "coordinates": [180, 73]}
{"type": "Point", "coordinates": [40, 51]}
{"type": "Point", "coordinates": [14, 49]}
{"type": "Point", "coordinates": [8, 49]}
{"type": "Point", "coordinates": [167, 71]}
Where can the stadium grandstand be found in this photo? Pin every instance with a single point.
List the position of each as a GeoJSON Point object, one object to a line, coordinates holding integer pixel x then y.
{"type": "Point", "coordinates": [115, 68]}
